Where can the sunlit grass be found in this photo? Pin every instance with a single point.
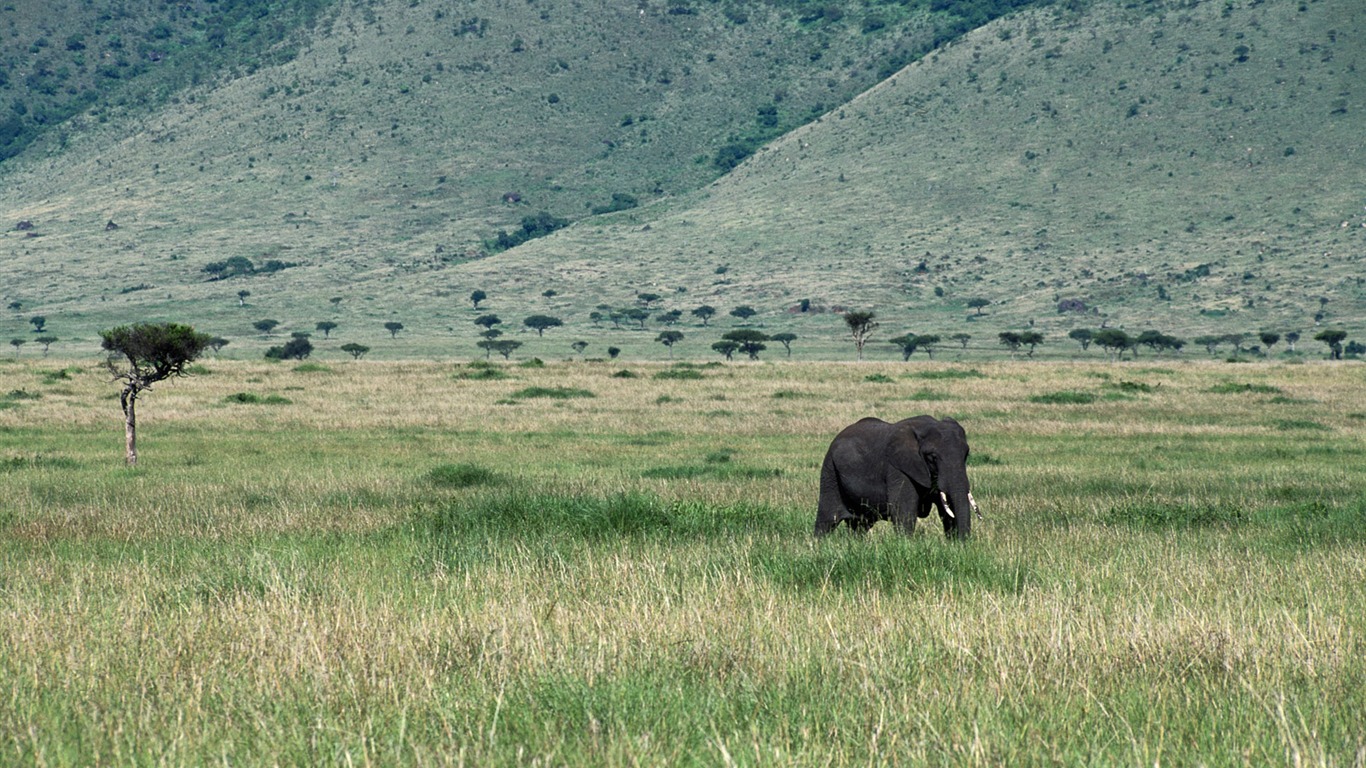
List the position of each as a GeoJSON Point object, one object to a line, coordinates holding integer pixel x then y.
{"type": "Point", "coordinates": [392, 567]}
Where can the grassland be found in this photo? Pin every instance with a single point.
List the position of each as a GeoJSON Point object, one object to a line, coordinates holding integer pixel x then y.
{"type": "Point", "coordinates": [438, 563]}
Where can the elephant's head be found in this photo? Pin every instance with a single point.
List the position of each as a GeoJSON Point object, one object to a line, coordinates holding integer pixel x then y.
{"type": "Point", "coordinates": [942, 446]}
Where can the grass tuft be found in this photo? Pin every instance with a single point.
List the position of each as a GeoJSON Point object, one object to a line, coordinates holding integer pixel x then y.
{"type": "Point", "coordinates": [250, 398]}
{"type": "Point", "coordinates": [1292, 425]}
{"type": "Point", "coordinates": [848, 562]}
{"type": "Point", "coordinates": [949, 373]}
{"type": "Point", "coordinates": [518, 515]}
{"type": "Point", "coordinates": [462, 476]}
{"type": "Point", "coordinates": [680, 374]}
{"type": "Point", "coordinates": [1171, 516]}
{"type": "Point", "coordinates": [1064, 398]}
{"type": "Point", "coordinates": [553, 393]}
{"type": "Point", "coordinates": [1233, 387]}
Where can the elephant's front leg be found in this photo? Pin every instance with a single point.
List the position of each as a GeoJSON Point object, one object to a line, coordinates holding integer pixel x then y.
{"type": "Point", "coordinates": [903, 503]}
{"type": "Point", "coordinates": [831, 509]}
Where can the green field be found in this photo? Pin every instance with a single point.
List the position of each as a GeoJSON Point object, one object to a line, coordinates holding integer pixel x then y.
{"type": "Point", "coordinates": [437, 563]}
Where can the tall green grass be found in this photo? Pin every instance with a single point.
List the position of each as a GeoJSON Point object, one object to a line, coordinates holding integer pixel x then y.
{"type": "Point", "coordinates": [431, 579]}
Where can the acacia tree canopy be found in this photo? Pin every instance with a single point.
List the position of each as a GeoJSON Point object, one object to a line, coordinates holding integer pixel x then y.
{"type": "Point", "coordinates": [141, 355]}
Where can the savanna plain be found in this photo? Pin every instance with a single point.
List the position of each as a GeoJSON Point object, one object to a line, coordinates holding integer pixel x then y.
{"type": "Point", "coordinates": [612, 564]}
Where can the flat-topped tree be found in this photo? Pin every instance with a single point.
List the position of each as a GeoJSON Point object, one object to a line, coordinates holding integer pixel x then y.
{"type": "Point", "coordinates": [356, 351]}
{"type": "Point", "coordinates": [927, 342]}
{"type": "Point", "coordinates": [1333, 338]}
{"type": "Point", "coordinates": [393, 327]}
{"type": "Point", "coordinates": [785, 339]}
{"type": "Point", "coordinates": [907, 343]}
{"type": "Point", "coordinates": [476, 297]}
{"type": "Point", "coordinates": [326, 326]}
{"type": "Point", "coordinates": [743, 312]}
{"type": "Point", "coordinates": [750, 341]}
{"type": "Point", "coordinates": [143, 354]}
{"type": "Point", "coordinates": [46, 341]}
{"type": "Point", "coordinates": [861, 327]}
{"type": "Point", "coordinates": [540, 323]}
{"type": "Point", "coordinates": [1082, 336]}
{"type": "Point", "coordinates": [704, 313]}
{"type": "Point", "coordinates": [669, 339]}
{"type": "Point", "coordinates": [1113, 341]}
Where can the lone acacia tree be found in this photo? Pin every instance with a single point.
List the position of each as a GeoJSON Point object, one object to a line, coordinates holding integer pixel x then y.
{"type": "Point", "coordinates": [140, 355]}
{"type": "Point", "coordinates": [861, 327]}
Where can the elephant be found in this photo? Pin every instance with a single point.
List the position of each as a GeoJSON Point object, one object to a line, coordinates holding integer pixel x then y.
{"type": "Point", "coordinates": [880, 471]}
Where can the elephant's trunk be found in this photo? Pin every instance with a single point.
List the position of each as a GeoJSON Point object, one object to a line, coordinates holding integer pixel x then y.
{"type": "Point", "coordinates": [958, 503]}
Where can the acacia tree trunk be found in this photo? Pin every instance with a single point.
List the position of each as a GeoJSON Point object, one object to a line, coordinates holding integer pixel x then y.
{"type": "Point", "coordinates": [130, 425]}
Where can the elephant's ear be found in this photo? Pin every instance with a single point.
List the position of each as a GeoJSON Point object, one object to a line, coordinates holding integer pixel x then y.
{"type": "Point", "coordinates": [904, 454]}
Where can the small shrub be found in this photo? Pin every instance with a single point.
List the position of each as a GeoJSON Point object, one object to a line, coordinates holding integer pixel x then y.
{"type": "Point", "coordinates": [788, 394]}
{"type": "Point", "coordinates": [1134, 386]}
{"type": "Point", "coordinates": [312, 368]}
{"type": "Point", "coordinates": [625, 373]}
{"type": "Point", "coordinates": [666, 399]}
{"type": "Point", "coordinates": [1064, 398]}
{"type": "Point", "coordinates": [22, 394]}
{"type": "Point", "coordinates": [462, 476]}
{"type": "Point", "coordinates": [879, 378]}
{"type": "Point", "coordinates": [534, 362]}
{"type": "Point", "coordinates": [554, 393]}
{"type": "Point", "coordinates": [722, 456]}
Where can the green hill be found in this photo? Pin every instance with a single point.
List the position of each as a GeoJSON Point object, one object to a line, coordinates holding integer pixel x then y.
{"type": "Point", "coordinates": [1186, 166]}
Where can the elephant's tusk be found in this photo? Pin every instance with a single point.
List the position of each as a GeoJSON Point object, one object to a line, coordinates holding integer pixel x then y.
{"type": "Point", "coordinates": [947, 509]}
{"type": "Point", "coordinates": [975, 508]}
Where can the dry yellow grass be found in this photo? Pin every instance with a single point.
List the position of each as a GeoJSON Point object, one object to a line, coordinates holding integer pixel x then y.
{"type": "Point", "coordinates": [272, 583]}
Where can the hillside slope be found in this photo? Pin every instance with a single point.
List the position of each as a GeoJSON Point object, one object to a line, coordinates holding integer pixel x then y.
{"type": "Point", "coordinates": [1194, 168]}
{"type": "Point", "coordinates": [1198, 170]}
